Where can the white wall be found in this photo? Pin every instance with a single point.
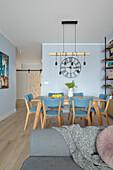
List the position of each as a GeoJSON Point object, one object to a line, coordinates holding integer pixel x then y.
{"type": "Point", "coordinates": [8, 96]}
{"type": "Point", "coordinates": [88, 81]}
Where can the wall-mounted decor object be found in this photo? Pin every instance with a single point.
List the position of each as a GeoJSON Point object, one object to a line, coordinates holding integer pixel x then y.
{"type": "Point", "coordinates": [70, 67]}
{"type": "Point", "coordinates": [4, 71]}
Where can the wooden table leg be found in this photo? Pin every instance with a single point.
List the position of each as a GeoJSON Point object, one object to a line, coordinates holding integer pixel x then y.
{"type": "Point", "coordinates": [85, 122]}
{"type": "Point", "coordinates": [95, 103]}
{"type": "Point", "coordinates": [37, 115]}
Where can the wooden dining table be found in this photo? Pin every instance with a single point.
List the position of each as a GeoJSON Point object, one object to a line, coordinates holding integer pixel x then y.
{"type": "Point", "coordinates": [67, 102]}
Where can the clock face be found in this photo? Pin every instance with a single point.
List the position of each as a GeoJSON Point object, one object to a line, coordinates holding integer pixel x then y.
{"type": "Point", "coordinates": [70, 67]}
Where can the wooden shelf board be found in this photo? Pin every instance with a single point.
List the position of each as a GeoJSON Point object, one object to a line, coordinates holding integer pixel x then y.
{"type": "Point", "coordinates": [108, 59]}
{"type": "Point", "coordinates": [107, 87]}
{"type": "Point", "coordinates": [109, 46]}
{"type": "Point", "coordinates": [109, 78]}
{"type": "Point", "coordinates": [109, 67]}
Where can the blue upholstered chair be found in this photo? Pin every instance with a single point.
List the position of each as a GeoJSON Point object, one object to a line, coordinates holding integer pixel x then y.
{"type": "Point", "coordinates": [102, 96]}
{"type": "Point", "coordinates": [78, 94]}
{"type": "Point", "coordinates": [102, 111]}
{"type": "Point", "coordinates": [30, 109]}
{"type": "Point", "coordinates": [48, 113]}
{"type": "Point", "coordinates": [84, 103]}
{"type": "Point", "coordinates": [50, 94]}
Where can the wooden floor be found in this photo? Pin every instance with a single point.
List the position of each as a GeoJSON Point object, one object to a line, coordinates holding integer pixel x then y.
{"type": "Point", "coordinates": [14, 142]}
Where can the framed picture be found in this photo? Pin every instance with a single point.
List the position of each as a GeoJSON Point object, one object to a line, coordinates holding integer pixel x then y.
{"type": "Point", "coordinates": [4, 71]}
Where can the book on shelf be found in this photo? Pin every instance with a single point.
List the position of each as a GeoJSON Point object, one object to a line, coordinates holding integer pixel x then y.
{"type": "Point", "coordinates": [108, 58]}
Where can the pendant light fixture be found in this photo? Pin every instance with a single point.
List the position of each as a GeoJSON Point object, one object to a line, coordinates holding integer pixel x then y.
{"type": "Point", "coordinates": [56, 63]}
{"type": "Point", "coordinates": [70, 67]}
{"type": "Point", "coordinates": [84, 63]}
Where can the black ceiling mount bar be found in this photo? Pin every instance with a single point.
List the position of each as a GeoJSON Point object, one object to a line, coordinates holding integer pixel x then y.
{"type": "Point", "coordinates": [69, 22]}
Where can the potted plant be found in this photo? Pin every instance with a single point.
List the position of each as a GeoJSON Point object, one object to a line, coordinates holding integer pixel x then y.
{"type": "Point", "coordinates": [70, 87]}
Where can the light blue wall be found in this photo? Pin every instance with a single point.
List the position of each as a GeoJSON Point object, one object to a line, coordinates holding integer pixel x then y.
{"type": "Point", "coordinates": [88, 81]}
{"type": "Point", "coordinates": [8, 96]}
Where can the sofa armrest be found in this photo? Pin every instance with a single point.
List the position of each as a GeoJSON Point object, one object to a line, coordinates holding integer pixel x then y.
{"type": "Point", "coordinates": [48, 142]}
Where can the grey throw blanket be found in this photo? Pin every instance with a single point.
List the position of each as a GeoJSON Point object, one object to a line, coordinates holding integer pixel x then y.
{"type": "Point", "coordinates": [82, 146]}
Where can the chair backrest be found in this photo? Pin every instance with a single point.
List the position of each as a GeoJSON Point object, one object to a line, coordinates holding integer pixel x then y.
{"type": "Point", "coordinates": [28, 98]}
{"type": "Point", "coordinates": [102, 96]}
{"type": "Point", "coordinates": [81, 102]}
{"type": "Point", "coordinates": [78, 94]}
{"type": "Point", "coordinates": [50, 94]}
{"type": "Point", "coordinates": [49, 102]}
{"type": "Point", "coordinates": [107, 98]}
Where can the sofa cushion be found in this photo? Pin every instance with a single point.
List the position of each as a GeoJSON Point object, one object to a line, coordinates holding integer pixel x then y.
{"type": "Point", "coordinates": [105, 145]}
{"type": "Point", "coordinates": [48, 142]}
{"type": "Point", "coordinates": [50, 163]}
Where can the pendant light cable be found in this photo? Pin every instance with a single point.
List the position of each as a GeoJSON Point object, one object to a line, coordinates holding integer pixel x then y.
{"type": "Point", "coordinates": [63, 38]}
{"type": "Point", "coordinates": [75, 38]}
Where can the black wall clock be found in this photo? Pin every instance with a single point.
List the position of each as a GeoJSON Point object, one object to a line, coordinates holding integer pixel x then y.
{"type": "Point", "coordinates": [70, 67]}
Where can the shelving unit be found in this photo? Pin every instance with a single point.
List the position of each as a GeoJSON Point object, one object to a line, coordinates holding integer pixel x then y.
{"type": "Point", "coordinates": [106, 78]}
{"type": "Point", "coordinates": [110, 58]}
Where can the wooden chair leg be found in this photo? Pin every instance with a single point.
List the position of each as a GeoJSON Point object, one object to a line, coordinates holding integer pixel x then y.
{"type": "Point", "coordinates": [89, 121]}
{"type": "Point", "coordinates": [92, 119]}
{"type": "Point", "coordinates": [48, 121]}
{"type": "Point", "coordinates": [107, 119]}
{"type": "Point", "coordinates": [71, 119]}
{"type": "Point", "coordinates": [41, 119]}
{"type": "Point", "coordinates": [85, 122]}
{"type": "Point", "coordinates": [59, 121]}
{"type": "Point", "coordinates": [44, 122]}
{"type": "Point", "coordinates": [68, 116]}
{"type": "Point", "coordinates": [62, 120]}
{"type": "Point", "coordinates": [27, 117]}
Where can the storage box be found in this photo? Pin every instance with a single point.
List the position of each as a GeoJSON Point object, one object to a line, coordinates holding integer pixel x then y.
{"type": "Point", "coordinates": [110, 74]}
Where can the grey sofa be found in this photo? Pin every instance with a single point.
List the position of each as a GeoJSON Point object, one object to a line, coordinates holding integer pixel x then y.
{"type": "Point", "coordinates": [48, 151]}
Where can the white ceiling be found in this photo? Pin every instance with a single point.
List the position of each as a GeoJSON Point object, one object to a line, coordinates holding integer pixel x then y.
{"type": "Point", "coordinates": [29, 23]}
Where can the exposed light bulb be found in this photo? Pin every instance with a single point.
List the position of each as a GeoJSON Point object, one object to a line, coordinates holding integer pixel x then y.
{"type": "Point", "coordinates": [60, 72]}
{"type": "Point", "coordinates": [56, 63]}
{"type": "Point", "coordinates": [84, 63]}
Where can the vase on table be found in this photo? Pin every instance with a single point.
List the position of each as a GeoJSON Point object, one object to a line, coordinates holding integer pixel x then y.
{"type": "Point", "coordinates": [70, 92]}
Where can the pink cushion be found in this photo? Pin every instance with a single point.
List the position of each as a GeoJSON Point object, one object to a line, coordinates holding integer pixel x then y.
{"type": "Point", "coordinates": [105, 145]}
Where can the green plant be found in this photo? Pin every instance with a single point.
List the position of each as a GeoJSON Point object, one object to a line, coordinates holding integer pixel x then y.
{"type": "Point", "coordinates": [71, 85]}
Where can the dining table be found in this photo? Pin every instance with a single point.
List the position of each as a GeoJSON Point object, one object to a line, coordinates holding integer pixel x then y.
{"type": "Point", "coordinates": [67, 102]}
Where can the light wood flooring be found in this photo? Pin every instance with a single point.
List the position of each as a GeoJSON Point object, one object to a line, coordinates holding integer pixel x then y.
{"type": "Point", "coordinates": [14, 141]}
